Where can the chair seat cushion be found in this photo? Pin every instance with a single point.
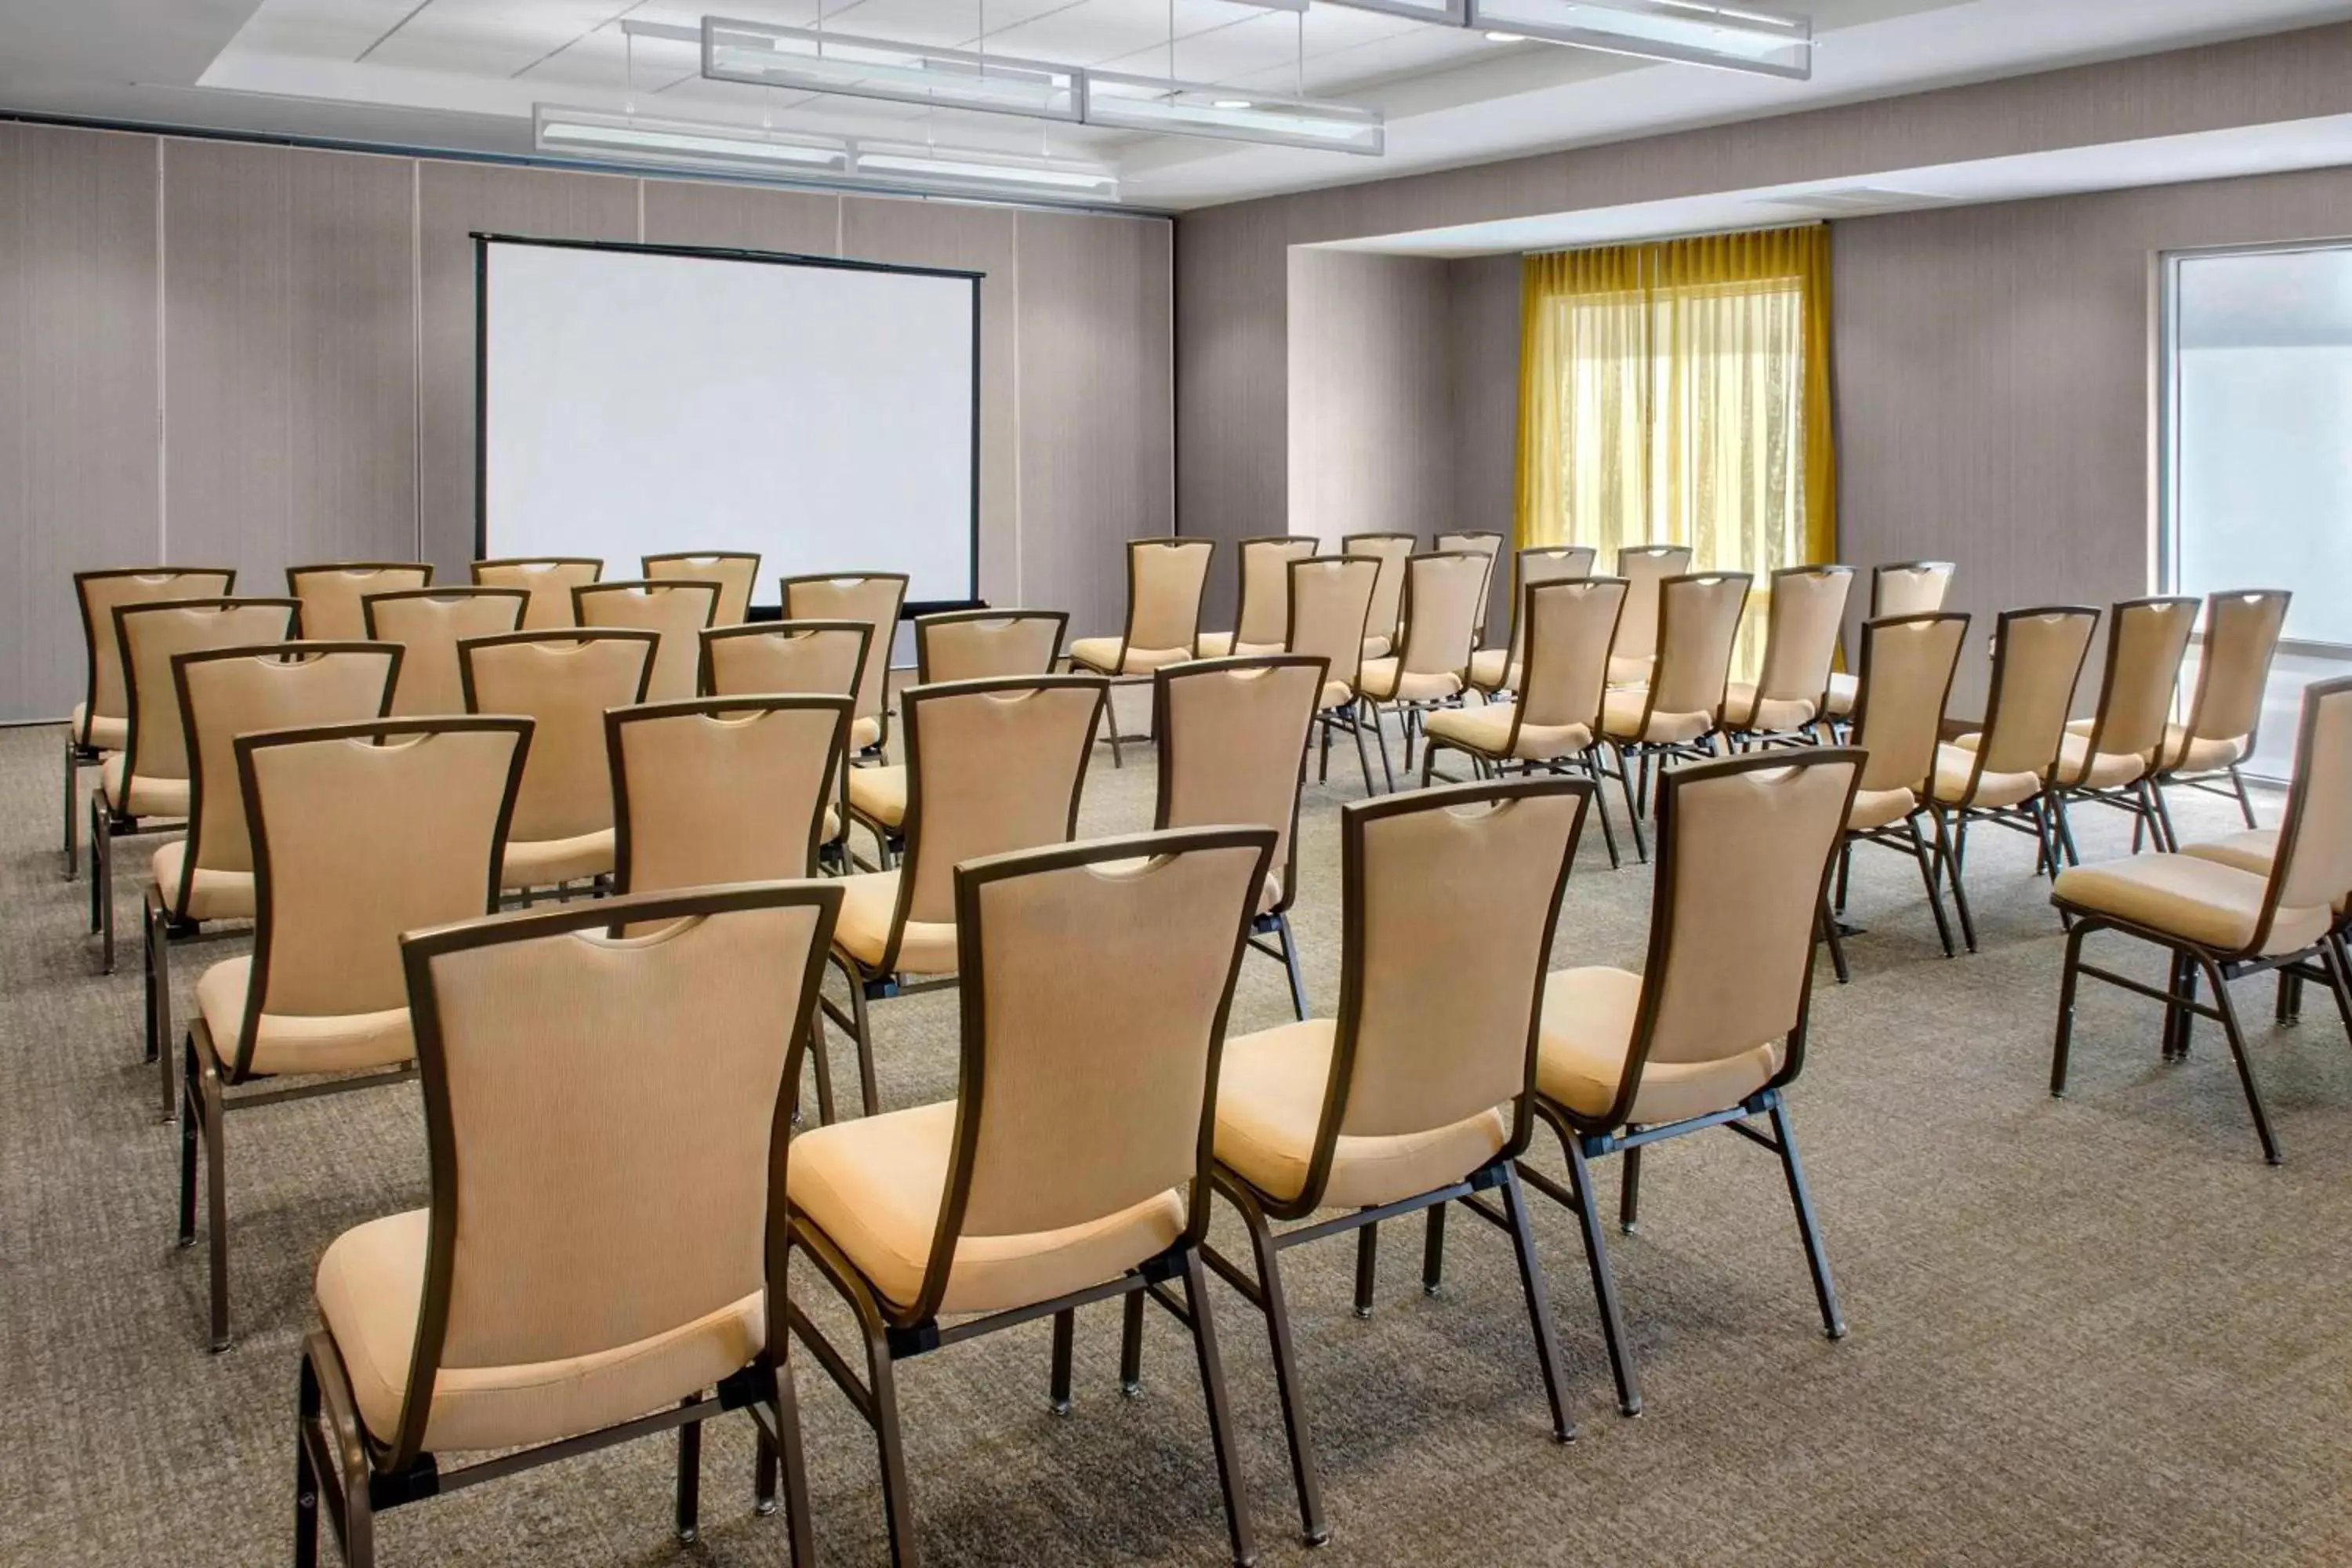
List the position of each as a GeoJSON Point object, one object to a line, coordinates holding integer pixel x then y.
{"type": "Point", "coordinates": [214, 895]}
{"type": "Point", "coordinates": [1377, 646]}
{"type": "Point", "coordinates": [1492, 669]}
{"type": "Point", "coordinates": [543, 862]}
{"type": "Point", "coordinates": [2109, 770]}
{"type": "Point", "coordinates": [2184, 752]}
{"type": "Point", "coordinates": [104, 733]}
{"type": "Point", "coordinates": [1336, 694]}
{"type": "Point", "coordinates": [1956, 761]}
{"type": "Point", "coordinates": [874, 1186]}
{"type": "Point", "coordinates": [2252, 850]}
{"type": "Point", "coordinates": [869, 901]}
{"type": "Point", "coordinates": [371, 1286]}
{"type": "Point", "coordinates": [865, 732]}
{"type": "Point", "coordinates": [1488, 732]}
{"type": "Point", "coordinates": [1620, 720]}
{"type": "Point", "coordinates": [2198, 900]}
{"type": "Point", "coordinates": [1270, 1098]}
{"type": "Point", "coordinates": [147, 795]}
{"type": "Point", "coordinates": [1844, 690]}
{"type": "Point", "coordinates": [1220, 645]}
{"type": "Point", "coordinates": [1743, 709]}
{"type": "Point", "coordinates": [290, 1043]}
{"type": "Point", "coordinates": [1588, 1026]}
{"type": "Point", "coordinates": [1386, 679]}
{"type": "Point", "coordinates": [1879, 807]}
{"type": "Point", "coordinates": [1101, 655]}
{"type": "Point", "coordinates": [879, 794]}
{"type": "Point", "coordinates": [1633, 671]}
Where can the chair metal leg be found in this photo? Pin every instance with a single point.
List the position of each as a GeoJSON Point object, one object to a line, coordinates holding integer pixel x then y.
{"type": "Point", "coordinates": [2066, 831]}
{"type": "Point", "coordinates": [1600, 799]}
{"type": "Point", "coordinates": [1951, 843]}
{"type": "Point", "coordinates": [1629, 1191]}
{"type": "Point", "coordinates": [1432, 1251]}
{"type": "Point", "coordinates": [881, 1380]}
{"type": "Point", "coordinates": [820, 1060]}
{"type": "Point", "coordinates": [1220, 1420]}
{"type": "Point", "coordinates": [2231, 1027]}
{"type": "Point", "coordinates": [2163, 809]}
{"type": "Point", "coordinates": [1920, 853]}
{"type": "Point", "coordinates": [1825, 1290]}
{"type": "Point", "coordinates": [1604, 1281]}
{"type": "Point", "coordinates": [1844, 874]}
{"type": "Point", "coordinates": [207, 1084]}
{"type": "Point", "coordinates": [787, 1411]}
{"type": "Point", "coordinates": [1110, 726]}
{"type": "Point", "coordinates": [1827, 922]}
{"type": "Point", "coordinates": [306, 1480]}
{"type": "Point", "coordinates": [1381, 739]}
{"type": "Point", "coordinates": [158, 1004]}
{"type": "Point", "coordinates": [190, 1108]}
{"type": "Point", "coordinates": [1314, 1528]}
{"type": "Point", "coordinates": [2246, 799]}
{"type": "Point", "coordinates": [1131, 1345]}
{"type": "Point", "coordinates": [2334, 960]}
{"type": "Point", "coordinates": [1633, 806]}
{"type": "Point", "coordinates": [869, 1093]}
{"type": "Point", "coordinates": [97, 863]}
{"type": "Point", "coordinates": [1323, 769]}
{"type": "Point", "coordinates": [1367, 1268]}
{"type": "Point", "coordinates": [2180, 1017]}
{"type": "Point", "coordinates": [2062, 1042]}
{"type": "Point", "coordinates": [763, 1473]}
{"type": "Point", "coordinates": [690, 1479]}
{"type": "Point", "coordinates": [1065, 1327]}
{"type": "Point", "coordinates": [1290, 964]}
{"type": "Point", "coordinates": [1531, 1281]}
{"type": "Point", "coordinates": [72, 850]}
{"type": "Point", "coordinates": [1363, 757]}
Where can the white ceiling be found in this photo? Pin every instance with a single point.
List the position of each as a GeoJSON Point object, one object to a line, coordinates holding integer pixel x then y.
{"type": "Point", "coordinates": [464, 74]}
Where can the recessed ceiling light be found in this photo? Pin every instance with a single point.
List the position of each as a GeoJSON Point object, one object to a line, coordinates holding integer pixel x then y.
{"type": "Point", "coordinates": [1233, 103]}
{"type": "Point", "coordinates": [1507, 37]}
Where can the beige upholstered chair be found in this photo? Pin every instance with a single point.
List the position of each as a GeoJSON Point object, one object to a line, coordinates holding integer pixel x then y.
{"type": "Point", "coordinates": [1418, 1095]}
{"type": "Point", "coordinates": [562, 829]}
{"type": "Point", "coordinates": [1790, 693]}
{"type": "Point", "coordinates": [1645, 568]}
{"type": "Point", "coordinates": [992, 766]}
{"type": "Point", "coordinates": [1907, 665]}
{"type": "Point", "coordinates": [1897, 589]}
{"type": "Point", "coordinates": [102, 720]}
{"type": "Point", "coordinates": [429, 624]}
{"type": "Point", "coordinates": [1496, 669]}
{"type": "Point", "coordinates": [678, 611]}
{"type": "Point", "coordinates": [143, 788]}
{"type": "Point", "coordinates": [1554, 718]}
{"type": "Point", "coordinates": [726, 789]}
{"type": "Point", "coordinates": [1329, 597]}
{"type": "Point", "coordinates": [824, 657]}
{"type": "Point", "coordinates": [607, 1210]}
{"type": "Point", "coordinates": [2219, 917]}
{"type": "Point", "coordinates": [548, 579]}
{"type": "Point", "coordinates": [1262, 623]}
{"type": "Point", "coordinates": [1387, 613]}
{"type": "Point", "coordinates": [331, 593]}
{"type": "Point", "coordinates": [874, 598]}
{"type": "Point", "coordinates": [361, 832]}
{"type": "Point", "coordinates": [1998, 774]}
{"type": "Point", "coordinates": [2233, 671]}
{"type": "Point", "coordinates": [1677, 713]}
{"type": "Point", "coordinates": [207, 876]}
{"type": "Point", "coordinates": [1165, 581]}
{"type": "Point", "coordinates": [1711, 1031]}
{"type": "Point", "coordinates": [2112, 757]}
{"type": "Point", "coordinates": [1065, 1173]}
{"type": "Point", "coordinates": [735, 572]}
{"type": "Point", "coordinates": [1483, 541]}
{"type": "Point", "coordinates": [1233, 748]}
{"type": "Point", "coordinates": [1431, 664]}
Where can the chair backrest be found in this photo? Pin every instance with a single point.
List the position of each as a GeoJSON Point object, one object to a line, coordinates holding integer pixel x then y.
{"type": "Point", "coordinates": [361, 832]}
{"type": "Point", "coordinates": [330, 593]}
{"type": "Point", "coordinates": [151, 636]}
{"type": "Point", "coordinates": [678, 611]}
{"type": "Point", "coordinates": [1745, 848]}
{"type": "Point", "coordinates": [1264, 618]}
{"type": "Point", "coordinates": [106, 693]}
{"type": "Point", "coordinates": [1442, 595]}
{"type": "Point", "coordinates": [1392, 551]}
{"type": "Point", "coordinates": [1165, 580]}
{"type": "Point", "coordinates": [656, 1173]}
{"type": "Point", "coordinates": [1450, 898]}
{"type": "Point", "coordinates": [1698, 620]}
{"type": "Point", "coordinates": [1908, 588]}
{"type": "Point", "coordinates": [992, 766]}
{"type": "Point", "coordinates": [2241, 636]}
{"type": "Point", "coordinates": [973, 644]}
{"type": "Point", "coordinates": [1484, 543]}
{"type": "Point", "coordinates": [225, 692]}
{"type": "Point", "coordinates": [873, 597]}
{"type": "Point", "coordinates": [1569, 623]}
{"type": "Point", "coordinates": [1802, 632]}
{"type": "Point", "coordinates": [1232, 746]}
{"type": "Point", "coordinates": [548, 579]}
{"type": "Point", "coordinates": [2037, 656]}
{"type": "Point", "coordinates": [721, 789]}
{"type": "Point", "coordinates": [2146, 639]}
{"type": "Point", "coordinates": [1544, 563]}
{"type": "Point", "coordinates": [1644, 567]}
{"type": "Point", "coordinates": [2314, 867]}
{"type": "Point", "coordinates": [430, 623]}
{"type": "Point", "coordinates": [736, 571]}
{"type": "Point", "coordinates": [784, 656]}
{"type": "Point", "coordinates": [1330, 599]}
{"type": "Point", "coordinates": [564, 680]}
{"type": "Point", "coordinates": [1902, 687]}
{"type": "Point", "coordinates": [1097, 979]}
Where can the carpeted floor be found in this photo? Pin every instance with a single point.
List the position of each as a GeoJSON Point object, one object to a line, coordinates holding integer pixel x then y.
{"type": "Point", "coordinates": [2096, 1331]}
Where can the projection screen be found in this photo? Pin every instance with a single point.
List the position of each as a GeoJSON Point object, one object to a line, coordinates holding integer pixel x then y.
{"type": "Point", "coordinates": [639, 400]}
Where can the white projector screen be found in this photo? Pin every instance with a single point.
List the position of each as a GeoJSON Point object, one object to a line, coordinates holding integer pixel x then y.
{"type": "Point", "coordinates": [643, 400]}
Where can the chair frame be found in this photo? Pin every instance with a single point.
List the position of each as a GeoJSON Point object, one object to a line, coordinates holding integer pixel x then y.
{"type": "Point", "coordinates": [474, 575]}
{"type": "Point", "coordinates": [1393, 634]}
{"type": "Point", "coordinates": [645, 564]}
{"type": "Point", "coordinates": [1584, 1138]}
{"type": "Point", "coordinates": [204, 1099]}
{"type": "Point", "coordinates": [1810, 733]}
{"type": "Point", "coordinates": [580, 617]}
{"type": "Point", "coordinates": [1699, 747]}
{"type": "Point", "coordinates": [2210, 782]}
{"type": "Point", "coordinates": [356, 1476]}
{"type": "Point", "coordinates": [925, 625]}
{"type": "Point", "coordinates": [834, 853]}
{"type": "Point", "coordinates": [1518, 583]}
{"type": "Point", "coordinates": [1241, 582]}
{"type": "Point", "coordinates": [1127, 630]}
{"type": "Point", "coordinates": [2140, 799]}
{"type": "Point", "coordinates": [878, 645]}
{"type": "Point", "coordinates": [1493, 558]}
{"type": "Point", "coordinates": [893, 1335]}
{"type": "Point", "coordinates": [1348, 715]}
{"type": "Point", "coordinates": [2328, 960]}
{"type": "Point", "coordinates": [1409, 711]}
{"type": "Point", "coordinates": [294, 574]}
{"type": "Point", "coordinates": [460, 591]}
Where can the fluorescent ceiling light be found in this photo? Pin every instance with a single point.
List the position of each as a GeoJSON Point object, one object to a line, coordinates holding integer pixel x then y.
{"type": "Point", "coordinates": [813, 61]}
{"type": "Point", "coordinates": [1694, 32]}
{"type": "Point", "coordinates": [984, 173]}
{"type": "Point", "coordinates": [683, 144]}
{"type": "Point", "coordinates": [1443, 13]}
{"type": "Point", "coordinates": [1196, 109]}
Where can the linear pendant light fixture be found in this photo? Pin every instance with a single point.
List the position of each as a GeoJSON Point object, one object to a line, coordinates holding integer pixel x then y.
{"type": "Point", "coordinates": [921, 165]}
{"type": "Point", "coordinates": [1235, 114]}
{"type": "Point", "coordinates": [809, 60]}
{"type": "Point", "coordinates": [1691, 32]}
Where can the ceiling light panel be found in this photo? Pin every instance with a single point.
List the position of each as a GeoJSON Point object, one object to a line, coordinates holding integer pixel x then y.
{"type": "Point", "coordinates": [607, 136]}
{"type": "Point", "coordinates": [924, 166]}
{"type": "Point", "coordinates": [1200, 109]}
{"type": "Point", "coordinates": [808, 60]}
{"type": "Point", "coordinates": [1692, 32]}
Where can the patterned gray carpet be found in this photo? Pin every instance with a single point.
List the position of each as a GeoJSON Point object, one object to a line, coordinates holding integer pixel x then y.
{"type": "Point", "coordinates": [2096, 1331]}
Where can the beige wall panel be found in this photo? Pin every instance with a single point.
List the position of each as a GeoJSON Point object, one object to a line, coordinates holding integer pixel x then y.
{"type": "Point", "coordinates": [747, 217]}
{"type": "Point", "coordinates": [1232, 403]}
{"type": "Point", "coordinates": [1372, 422]}
{"type": "Point", "coordinates": [1098, 457]}
{"type": "Point", "coordinates": [1484, 357]}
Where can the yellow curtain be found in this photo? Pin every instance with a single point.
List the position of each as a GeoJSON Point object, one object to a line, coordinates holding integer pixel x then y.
{"type": "Point", "coordinates": [1679, 392]}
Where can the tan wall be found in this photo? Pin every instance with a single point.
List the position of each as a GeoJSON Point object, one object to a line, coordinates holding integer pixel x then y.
{"type": "Point", "coordinates": [260, 356]}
